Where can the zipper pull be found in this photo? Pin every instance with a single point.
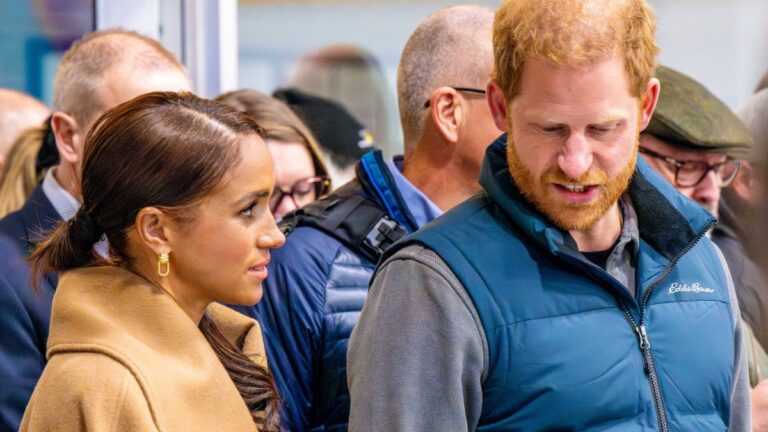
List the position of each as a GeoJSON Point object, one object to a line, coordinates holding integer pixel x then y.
{"type": "Point", "coordinates": [644, 345]}
{"type": "Point", "coordinates": [643, 334]}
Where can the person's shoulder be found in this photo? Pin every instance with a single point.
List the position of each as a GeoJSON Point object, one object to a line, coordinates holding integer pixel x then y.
{"type": "Point", "coordinates": [417, 256]}
{"type": "Point", "coordinates": [305, 246]}
{"type": "Point", "coordinates": [86, 388]}
{"type": "Point", "coordinates": [83, 371]}
{"type": "Point", "coordinates": [13, 235]}
{"type": "Point", "coordinates": [467, 214]}
{"type": "Point", "coordinates": [14, 267]}
{"type": "Point", "coordinates": [316, 239]}
{"type": "Point", "coordinates": [728, 244]}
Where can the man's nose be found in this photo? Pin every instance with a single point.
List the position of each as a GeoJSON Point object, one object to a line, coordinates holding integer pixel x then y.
{"type": "Point", "coordinates": [707, 191]}
{"type": "Point", "coordinates": [576, 157]}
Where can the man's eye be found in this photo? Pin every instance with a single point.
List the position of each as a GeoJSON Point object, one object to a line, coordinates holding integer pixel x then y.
{"type": "Point", "coordinates": [551, 129]}
{"type": "Point", "coordinates": [603, 129]}
{"type": "Point", "coordinates": [690, 166]}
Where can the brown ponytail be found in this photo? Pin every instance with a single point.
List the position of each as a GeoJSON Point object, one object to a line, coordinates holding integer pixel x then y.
{"type": "Point", "coordinates": [169, 151]}
{"type": "Point", "coordinates": [254, 382]}
{"type": "Point", "coordinates": [69, 246]}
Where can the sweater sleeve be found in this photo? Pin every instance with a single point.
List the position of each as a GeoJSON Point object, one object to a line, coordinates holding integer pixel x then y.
{"type": "Point", "coordinates": [418, 355]}
{"type": "Point", "coordinates": [87, 392]}
{"type": "Point", "coordinates": [741, 419]}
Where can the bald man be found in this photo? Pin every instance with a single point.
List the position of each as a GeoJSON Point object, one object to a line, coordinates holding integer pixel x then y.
{"type": "Point", "coordinates": [99, 71]}
{"type": "Point", "coordinates": [18, 111]}
{"type": "Point", "coordinates": [319, 280]}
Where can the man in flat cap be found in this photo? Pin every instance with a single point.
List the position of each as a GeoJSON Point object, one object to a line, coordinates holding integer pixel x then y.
{"type": "Point", "coordinates": [696, 142]}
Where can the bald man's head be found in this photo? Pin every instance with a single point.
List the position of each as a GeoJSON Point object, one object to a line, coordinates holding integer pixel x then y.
{"type": "Point", "coordinates": [452, 47]}
{"type": "Point", "coordinates": [18, 111]}
{"type": "Point", "coordinates": [103, 61]}
{"type": "Point", "coordinates": [100, 71]}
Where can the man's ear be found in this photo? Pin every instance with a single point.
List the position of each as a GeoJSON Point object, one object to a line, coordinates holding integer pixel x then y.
{"type": "Point", "coordinates": [744, 184]}
{"type": "Point", "coordinates": [69, 137]}
{"type": "Point", "coordinates": [155, 230]}
{"type": "Point", "coordinates": [446, 112]}
{"type": "Point", "coordinates": [649, 100]}
{"type": "Point", "coordinates": [497, 104]}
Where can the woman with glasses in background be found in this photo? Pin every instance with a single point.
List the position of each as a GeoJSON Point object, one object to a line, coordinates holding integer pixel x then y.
{"type": "Point", "coordinates": [300, 173]}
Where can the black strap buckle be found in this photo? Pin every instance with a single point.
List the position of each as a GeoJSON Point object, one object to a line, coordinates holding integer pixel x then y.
{"type": "Point", "coordinates": [383, 234]}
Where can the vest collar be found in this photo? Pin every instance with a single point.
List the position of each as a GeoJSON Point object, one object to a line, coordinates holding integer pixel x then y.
{"type": "Point", "coordinates": [668, 221]}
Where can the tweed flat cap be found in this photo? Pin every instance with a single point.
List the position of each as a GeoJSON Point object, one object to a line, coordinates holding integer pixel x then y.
{"type": "Point", "coordinates": [689, 115]}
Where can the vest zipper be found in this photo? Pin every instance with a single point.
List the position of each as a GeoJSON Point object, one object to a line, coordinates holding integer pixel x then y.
{"type": "Point", "coordinates": [642, 334]}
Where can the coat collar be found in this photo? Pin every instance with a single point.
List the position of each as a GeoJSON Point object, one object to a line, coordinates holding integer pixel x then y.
{"type": "Point", "coordinates": [667, 220]}
{"type": "Point", "coordinates": [116, 313]}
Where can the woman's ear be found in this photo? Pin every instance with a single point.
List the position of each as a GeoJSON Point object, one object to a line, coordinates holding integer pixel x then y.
{"type": "Point", "coordinates": [154, 229]}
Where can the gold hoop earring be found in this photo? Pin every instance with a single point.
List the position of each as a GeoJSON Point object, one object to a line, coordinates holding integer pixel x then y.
{"type": "Point", "coordinates": [163, 265]}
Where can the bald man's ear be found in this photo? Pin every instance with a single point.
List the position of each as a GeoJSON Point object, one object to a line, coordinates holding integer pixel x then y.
{"type": "Point", "coordinates": [69, 137]}
{"type": "Point", "coordinates": [497, 104]}
{"type": "Point", "coordinates": [446, 112]}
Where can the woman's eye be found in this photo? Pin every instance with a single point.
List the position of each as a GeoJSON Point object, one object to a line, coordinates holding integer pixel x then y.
{"type": "Point", "coordinates": [248, 211]}
{"type": "Point", "coordinates": [303, 192]}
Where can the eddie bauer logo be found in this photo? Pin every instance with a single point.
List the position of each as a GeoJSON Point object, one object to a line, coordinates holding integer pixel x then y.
{"type": "Point", "coordinates": [694, 287]}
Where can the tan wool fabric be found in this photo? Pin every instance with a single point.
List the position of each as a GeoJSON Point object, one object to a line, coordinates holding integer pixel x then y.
{"type": "Point", "coordinates": [123, 356]}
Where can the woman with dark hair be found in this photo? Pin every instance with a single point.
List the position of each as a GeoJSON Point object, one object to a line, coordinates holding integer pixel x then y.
{"type": "Point", "coordinates": [180, 187]}
{"type": "Point", "coordinates": [301, 174]}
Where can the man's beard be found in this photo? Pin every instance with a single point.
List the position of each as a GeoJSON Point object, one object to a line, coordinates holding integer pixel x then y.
{"type": "Point", "coordinates": [570, 216]}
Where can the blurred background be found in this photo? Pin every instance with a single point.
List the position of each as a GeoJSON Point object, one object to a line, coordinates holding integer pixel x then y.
{"type": "Point", "coordinates": [347, 50]}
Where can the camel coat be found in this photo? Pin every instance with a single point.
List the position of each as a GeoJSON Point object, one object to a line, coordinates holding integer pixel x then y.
{"type": "Point", "coordinates": [123, 356]}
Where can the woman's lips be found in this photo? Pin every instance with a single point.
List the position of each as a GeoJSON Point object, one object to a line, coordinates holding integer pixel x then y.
{"type": "Point", "coordinates": [260, 270]}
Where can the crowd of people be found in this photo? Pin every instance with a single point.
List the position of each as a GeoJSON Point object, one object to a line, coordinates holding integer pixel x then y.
{"type": "Point", "coordinates": [572, 239]}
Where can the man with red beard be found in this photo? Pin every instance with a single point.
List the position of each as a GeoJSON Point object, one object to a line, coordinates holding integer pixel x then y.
{"type": "Point", "coordinates": [576, 292]}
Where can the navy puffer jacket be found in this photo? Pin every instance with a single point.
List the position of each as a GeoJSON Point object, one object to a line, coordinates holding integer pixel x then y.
{"type": "Point", "coordinates": [312, 299]}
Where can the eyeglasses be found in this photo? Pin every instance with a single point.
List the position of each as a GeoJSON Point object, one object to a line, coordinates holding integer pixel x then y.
{"type": "Point", "coordinates": [459, 89]}
{"type": "Point", "coordinates": [691, 173]}
{"type": "Point", "coordinates": [302, 192]}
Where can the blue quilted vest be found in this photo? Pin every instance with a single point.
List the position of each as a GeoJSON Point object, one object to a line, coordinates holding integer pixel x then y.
{"type": "Point", "coordinates": [570, 347]}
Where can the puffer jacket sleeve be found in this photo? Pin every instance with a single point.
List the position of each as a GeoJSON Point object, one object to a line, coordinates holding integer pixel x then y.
{"type": "Point", "coordinates": [291, 316]}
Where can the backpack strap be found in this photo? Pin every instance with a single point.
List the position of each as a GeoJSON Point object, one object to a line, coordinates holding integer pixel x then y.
{"type": "Point", "coordinates": [351, 218]}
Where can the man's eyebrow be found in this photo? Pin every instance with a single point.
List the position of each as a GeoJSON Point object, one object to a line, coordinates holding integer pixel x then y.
{"type": "Point", "coordinates": [613, 116]}
{"type": "Point", "coordinates": [609, 120]}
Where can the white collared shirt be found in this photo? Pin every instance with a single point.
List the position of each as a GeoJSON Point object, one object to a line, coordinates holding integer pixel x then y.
{"type": "Point", "coordinates": [63, 202]}
{"type": "Point", "coordinates": [67, 206]}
